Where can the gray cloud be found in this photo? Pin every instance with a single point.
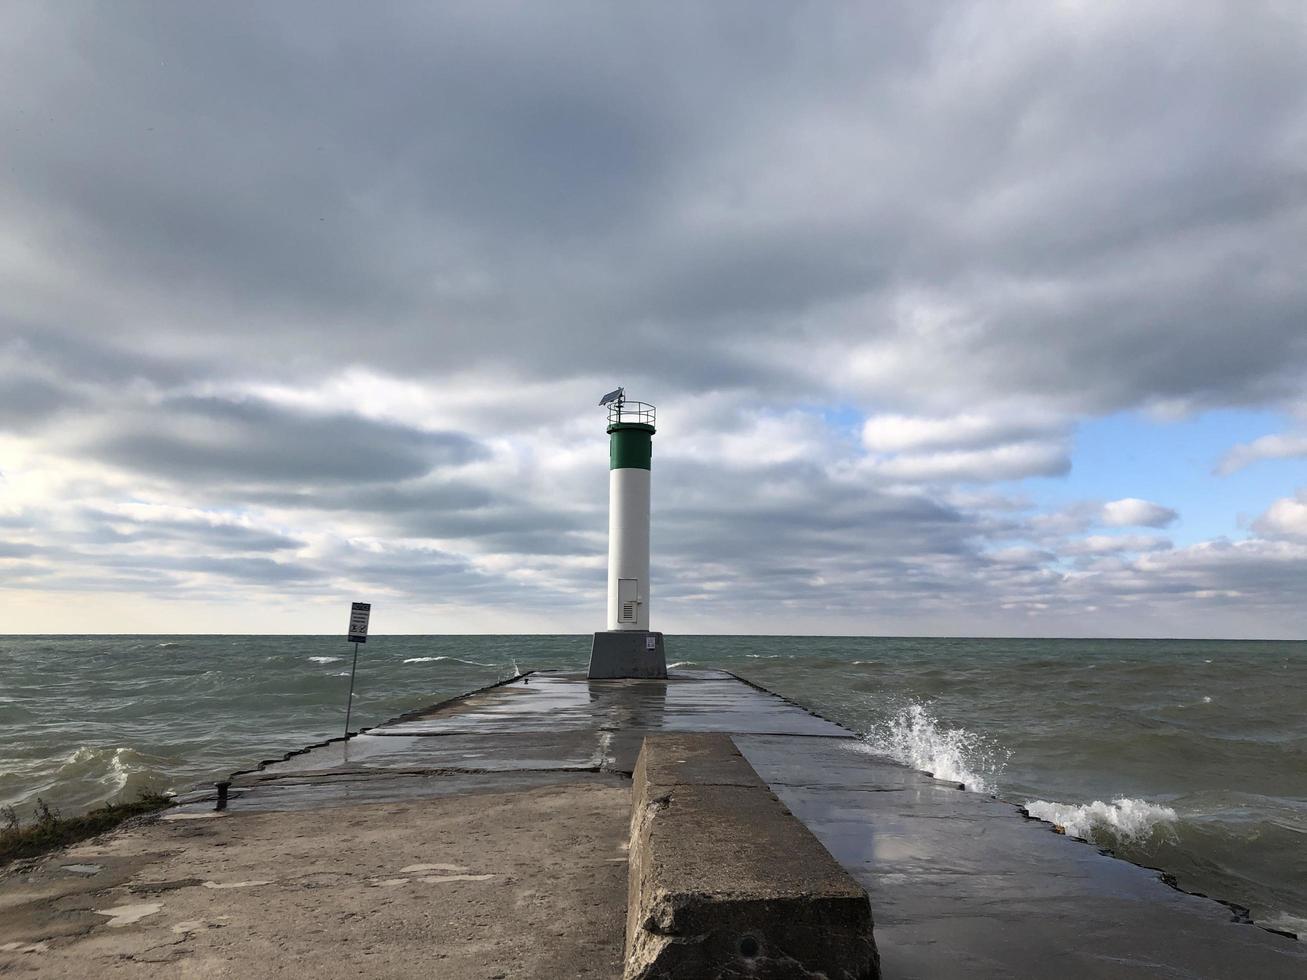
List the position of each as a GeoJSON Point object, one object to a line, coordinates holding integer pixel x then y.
{"type": "Point", "coordinates": [336, 283]}
{"type": "Point", "coordinates": [490, 189]}
{"type": "Point", "coordinates": [257, 442]}
{"type": "Point", "coordinates": [26, 403]}
{"type": "Point", "coordinates": [209, 534]}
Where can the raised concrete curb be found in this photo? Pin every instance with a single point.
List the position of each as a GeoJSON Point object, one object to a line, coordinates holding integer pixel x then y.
{"type": "Point", "coordinates": [725, 882]}
{"type": "Point", "coordinates": [627, 653]}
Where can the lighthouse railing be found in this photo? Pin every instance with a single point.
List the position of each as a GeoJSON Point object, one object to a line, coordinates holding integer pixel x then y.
{"type": "Point", "coordinates": [624, 411]}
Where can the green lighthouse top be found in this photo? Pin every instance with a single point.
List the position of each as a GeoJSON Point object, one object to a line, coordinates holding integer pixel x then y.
{"type": "Point", "coordinates": [631, 429]}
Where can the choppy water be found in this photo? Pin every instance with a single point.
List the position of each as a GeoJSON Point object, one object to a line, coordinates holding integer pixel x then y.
{"type": "Point", "coordinates": [1186, 756]}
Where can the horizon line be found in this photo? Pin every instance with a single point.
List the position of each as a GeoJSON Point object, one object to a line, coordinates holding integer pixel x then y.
{"type": "Point", "coordinates": [797, 636]}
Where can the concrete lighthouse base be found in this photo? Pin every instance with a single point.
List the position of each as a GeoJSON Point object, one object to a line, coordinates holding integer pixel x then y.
{"type": "Point", "coordinates": [627, 653]}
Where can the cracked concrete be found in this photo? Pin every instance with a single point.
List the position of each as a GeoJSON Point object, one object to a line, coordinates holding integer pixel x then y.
{"type": "Point", "coordinates": [522, 884]}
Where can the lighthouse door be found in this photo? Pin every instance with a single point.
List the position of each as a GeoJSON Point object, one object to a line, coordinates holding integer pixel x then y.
{"type": "Point", "coordinates": [628, 600]}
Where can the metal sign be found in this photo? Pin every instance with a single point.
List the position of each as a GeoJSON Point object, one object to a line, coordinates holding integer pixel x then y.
{"type": "Point", "coordinates": [358, 622]}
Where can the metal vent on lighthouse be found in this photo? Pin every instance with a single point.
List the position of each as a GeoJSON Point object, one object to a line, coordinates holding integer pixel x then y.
{"type": "Point", "coordinates": [628, 648]}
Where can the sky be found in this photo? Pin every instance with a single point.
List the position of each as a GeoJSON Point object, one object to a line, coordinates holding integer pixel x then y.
{"type": "Point", "coordinates": [960, 319]}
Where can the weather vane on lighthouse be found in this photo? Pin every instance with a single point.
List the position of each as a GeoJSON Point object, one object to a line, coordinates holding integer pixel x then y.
{"type": "Point", "coordinates": [628, 648]}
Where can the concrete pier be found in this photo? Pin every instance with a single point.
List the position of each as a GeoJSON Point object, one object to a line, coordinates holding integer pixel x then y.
{"type": "Point", "coordinates": [724, 881]}
{"type": "Point", "coordinates": [486, 837]}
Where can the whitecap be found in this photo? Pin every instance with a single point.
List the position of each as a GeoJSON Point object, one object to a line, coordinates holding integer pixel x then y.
{"type": "Point", "coordinates": [323, 660]}
{"type": "Point", "coordinates": [1105, 823]}
{"type": "Point", "coordinates": [681, 663]}
{"type": "Point", "coordinates": [915, 738]}
{"type": "Point", "coordinates": [119, 771]}
{"type": "Point", "coordinates": [429, 660]}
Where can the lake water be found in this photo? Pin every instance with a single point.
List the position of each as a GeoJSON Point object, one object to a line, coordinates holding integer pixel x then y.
{"type": "Point", "coordinates": [1189, 756]}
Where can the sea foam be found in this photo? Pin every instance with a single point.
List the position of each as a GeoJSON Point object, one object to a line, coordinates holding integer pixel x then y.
{"type": "Point", "coordinates": [1105, 823]}
{"type": "Point", "coordinates": [324, 660]}
{"type": "Point", "coordinates": [914, 737]}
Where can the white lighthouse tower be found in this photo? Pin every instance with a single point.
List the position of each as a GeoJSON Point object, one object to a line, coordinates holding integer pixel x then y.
{"type": "Point", "coordinates": [628, 648]}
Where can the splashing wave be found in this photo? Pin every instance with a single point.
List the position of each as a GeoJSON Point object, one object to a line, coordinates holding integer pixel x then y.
{"type": "Point", "coordinates": [914, 737]}
{"type": "Point", "coordinates": [1122, 820]}
{"type": "Point", "coordinates": [116, 772]}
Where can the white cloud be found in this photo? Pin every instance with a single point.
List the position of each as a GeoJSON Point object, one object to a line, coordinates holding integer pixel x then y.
{"type": "Point", "coordinates": [1133, 512]}
{"type": "Point", "coordinates": [1286, 516]}
{"type": "Point", "coordinates": [1284, 446]}
{"type": "Point", "coordinates": [1011, 462]}
{"type": "Point", "coordinates": [1010, 443]}
{"type": "Point", "coordinates": [1107, 544]}
{"type": "Point", "coordinates": [904, 433]}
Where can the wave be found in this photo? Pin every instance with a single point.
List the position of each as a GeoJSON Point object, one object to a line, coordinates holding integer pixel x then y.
{"type": "Point", "coordinates": [914, 737]}
{"type": "Point", "coordinates": [116, 772]}
{"type": "Point", "coordinates": [103, 765]}
{"type": "Point", "coordinates": [683, 663]}
{"type": "Point", "coordinates": [1122, 821]}
{"type": "Point", "coordinates": [429, 660]}
{"type": "Point", "coordinates": [323, 660]}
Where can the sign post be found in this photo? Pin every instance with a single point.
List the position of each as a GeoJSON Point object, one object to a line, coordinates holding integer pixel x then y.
{"type": "Point", "coordinates": [359, 614]}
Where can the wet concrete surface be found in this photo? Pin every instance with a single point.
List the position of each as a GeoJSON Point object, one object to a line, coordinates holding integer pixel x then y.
{"type": "Point", "coordinates": [546, 723]}
{"type": "Point", "coordinates": [698, 701]}
{"type": "Point", "coordinates": [960, 884]}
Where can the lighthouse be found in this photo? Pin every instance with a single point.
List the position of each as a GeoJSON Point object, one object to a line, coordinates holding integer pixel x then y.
{"type": "Point", "coordinates": [628, 648]}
